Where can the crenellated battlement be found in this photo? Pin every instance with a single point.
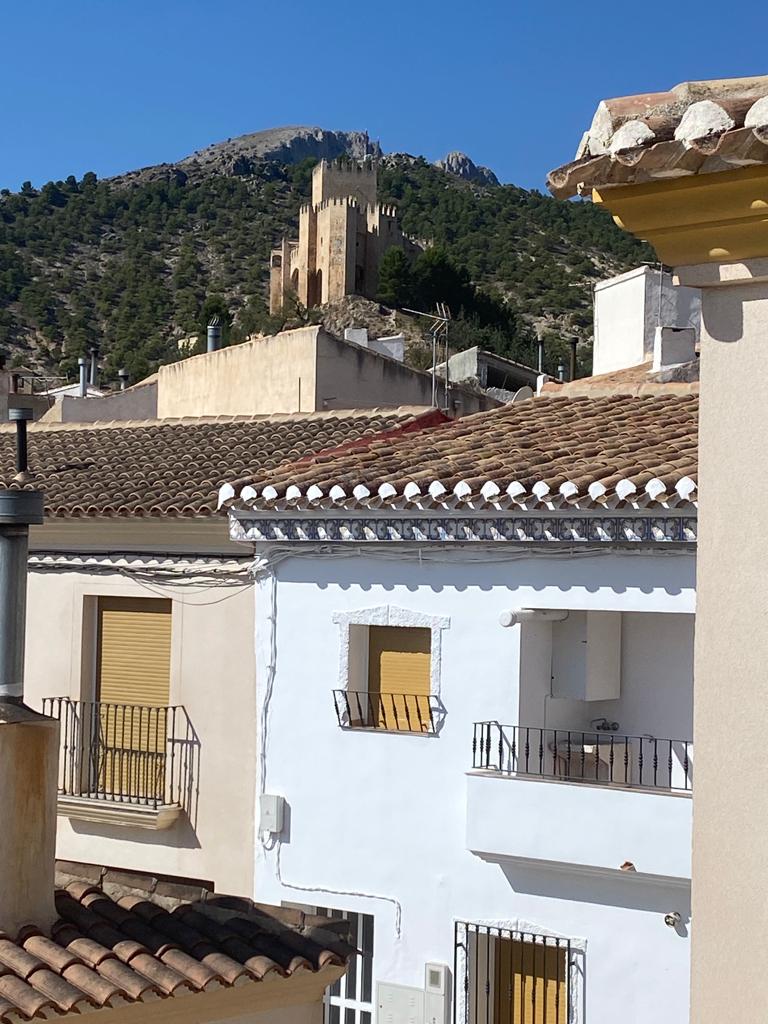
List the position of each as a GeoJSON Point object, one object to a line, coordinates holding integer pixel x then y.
{"type": "Point", "coordinates": [349, 201]}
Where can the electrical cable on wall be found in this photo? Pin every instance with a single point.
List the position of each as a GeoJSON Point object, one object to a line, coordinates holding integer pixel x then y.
{"type": "Point", "coordinates": [263, 571]}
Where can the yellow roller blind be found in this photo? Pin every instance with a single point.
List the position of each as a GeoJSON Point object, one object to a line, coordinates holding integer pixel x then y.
{"type": "Point", "coordinates": [134, 659]}
{"type": "Point", "coordinates": [133, 688]}
{"type": "Point", "coordinates": [399, 676]}
{"type": "Point", "coordinates": [530, 983]}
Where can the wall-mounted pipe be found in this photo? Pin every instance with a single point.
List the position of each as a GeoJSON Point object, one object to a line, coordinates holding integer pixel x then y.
{"type": "Point", "coordinates": [514, 616]}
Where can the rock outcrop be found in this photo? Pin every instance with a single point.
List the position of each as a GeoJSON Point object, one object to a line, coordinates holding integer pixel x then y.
{"type": "Point", "coordinates": [464, 167]}
{"type": "Point", "coordinates": [242, 155]}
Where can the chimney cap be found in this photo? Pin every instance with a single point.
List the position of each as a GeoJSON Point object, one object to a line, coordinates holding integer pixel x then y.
{"type": "Point", "coordinates": [20, 414]}
{"type": "Point", "coordinates": [215, 321]}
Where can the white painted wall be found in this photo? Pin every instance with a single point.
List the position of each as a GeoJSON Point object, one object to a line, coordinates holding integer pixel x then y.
{"type": "Point", "coordinates": [377, 822]}
{"type": "Point", "coordinates": [627, 314]}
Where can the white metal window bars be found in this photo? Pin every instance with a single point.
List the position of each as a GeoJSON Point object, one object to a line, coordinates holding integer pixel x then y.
{"type": "Point", "coordinates": [350, 999]}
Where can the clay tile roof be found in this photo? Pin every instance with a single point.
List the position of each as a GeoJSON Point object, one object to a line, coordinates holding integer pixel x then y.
{"type": "Point", "coordinates": [633, 380]}
{"type": "Point", "coordinates": [175, 468]}
{"type": "Point", "coordinates": [535, 452]}
{"type": "Point", "coordinates": [92, 959]}
{"type": "Point", "coordinates": [694, 128]}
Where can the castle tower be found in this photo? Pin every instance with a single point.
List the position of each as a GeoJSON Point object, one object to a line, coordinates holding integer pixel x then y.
{"type": "Point", "coordinates": [343, 233]}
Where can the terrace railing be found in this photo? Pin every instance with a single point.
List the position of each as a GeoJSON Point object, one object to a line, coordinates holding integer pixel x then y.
{"type": "Point", "coordinates": [599, 758]}
{"type": "Point", "coordinates": [394, 712]}
{"type": "Point", "coordinates": [125, 753]}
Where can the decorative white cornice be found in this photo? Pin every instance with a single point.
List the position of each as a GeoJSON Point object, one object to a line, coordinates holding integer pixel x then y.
{"type": "Point", "coordinates": [619, 528]}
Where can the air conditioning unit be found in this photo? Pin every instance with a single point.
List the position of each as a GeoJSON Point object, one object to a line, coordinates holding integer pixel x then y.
{"type": "Point", "coordinates": [437, 994]}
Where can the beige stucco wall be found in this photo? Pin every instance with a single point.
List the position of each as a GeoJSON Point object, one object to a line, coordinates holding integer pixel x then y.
{"type": "Point", "coordinates": [212, 676]}
{"type": "Point", "coordinates": [350, 376]}
{"type": "Point", "coordinates": [272, 375]}
{"type": "Point", "coordinates": [730, 809]}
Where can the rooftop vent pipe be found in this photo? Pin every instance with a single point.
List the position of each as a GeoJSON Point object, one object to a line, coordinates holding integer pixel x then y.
{"type": "Point", "coordinates": [94, 374]}
{"type": "Point", "coordinates": [83, 377]}
{"type": "Point", "coordinates": [18, 510]}
{"type": "Point", "coordinates": [123, 376]}
{"type": "Point", "coordinates": [214, 334]}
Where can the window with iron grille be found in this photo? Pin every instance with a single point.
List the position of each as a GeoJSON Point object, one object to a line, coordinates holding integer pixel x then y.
{"type": "Point", "coordinates": [350, 999]}
{"type": "Point", "coordinates": [506, 976]}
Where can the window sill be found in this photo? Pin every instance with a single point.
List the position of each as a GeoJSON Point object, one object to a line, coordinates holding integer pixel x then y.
{"type": "Point", "coordinates": [110, 812]}
{"type": "Point", "coordinates": [427, 733]}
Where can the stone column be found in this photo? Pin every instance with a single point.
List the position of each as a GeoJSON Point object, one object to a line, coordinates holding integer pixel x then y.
{"type": "Point", "coordinates": [730, 806]}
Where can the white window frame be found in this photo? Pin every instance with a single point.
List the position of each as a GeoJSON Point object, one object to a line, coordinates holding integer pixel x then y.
{"type": "Point", "coordinates": [353, 646]}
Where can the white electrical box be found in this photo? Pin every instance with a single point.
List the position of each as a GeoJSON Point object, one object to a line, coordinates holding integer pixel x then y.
{"type": "Point", "coordinates": [271, 812]}
{"type": "Point", "coordinates": [437, 994]}
{"type": "Point", "coordinates": [399, 1004]}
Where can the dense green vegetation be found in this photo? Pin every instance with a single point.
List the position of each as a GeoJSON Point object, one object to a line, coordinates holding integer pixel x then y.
{"type": "Point", "coordinates": [132, 268]}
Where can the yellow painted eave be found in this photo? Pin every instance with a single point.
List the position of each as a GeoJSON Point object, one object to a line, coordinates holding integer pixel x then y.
{"type": "Point", "coordinates": [704, 218]}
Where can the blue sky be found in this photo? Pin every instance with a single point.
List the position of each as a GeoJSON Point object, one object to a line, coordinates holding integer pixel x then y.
{"type": "Point", "coordinates": [110, 85]}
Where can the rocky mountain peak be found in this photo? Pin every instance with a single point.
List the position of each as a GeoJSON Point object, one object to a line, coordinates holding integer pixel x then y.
{"type": "Point", "coordinates": [464, 167]}
{"type": "Point", "coordinates": [281, 145]}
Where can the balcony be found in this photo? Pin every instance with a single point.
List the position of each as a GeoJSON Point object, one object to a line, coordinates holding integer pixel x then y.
{"type": "Point", "coordinates": [388, 712]}
{"type": "Point", "coordinates": [124, 764]}
{"type": "Point", "coordinates": [589, 799]}
{"type": "Point", "coordinates": [595, 758]}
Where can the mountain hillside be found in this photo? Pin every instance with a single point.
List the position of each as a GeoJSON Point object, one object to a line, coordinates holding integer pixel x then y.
{"type": "Point", "coordinates": [132, 264]}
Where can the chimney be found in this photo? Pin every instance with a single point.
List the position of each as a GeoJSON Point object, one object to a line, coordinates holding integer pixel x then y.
{"type": "Point", "coordinates": [214, 334]}
{"type": "Point", "coordinates": [83, 377]}
{"type": "Point", "coordinates": [574, 342]}
{"type": "Point", "coordinates": [94, 374]}
{"type": "Point", "coordinates": [123, 376]}
{"type": "Point", "coordinates": [673, 346]}
{"type": "Point", "coordinates": [29, 742]}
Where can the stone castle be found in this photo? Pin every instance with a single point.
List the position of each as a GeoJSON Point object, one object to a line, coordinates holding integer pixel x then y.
{"type": "Point", "coordinates": [343, 233]}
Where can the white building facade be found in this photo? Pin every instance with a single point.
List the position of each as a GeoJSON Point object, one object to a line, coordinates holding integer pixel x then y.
{"type": "Point", "coordinates": [526, 832]}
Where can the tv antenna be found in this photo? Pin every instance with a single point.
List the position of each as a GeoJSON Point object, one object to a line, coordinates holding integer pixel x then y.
{"type": "Point", "coordinates": [438, 331]}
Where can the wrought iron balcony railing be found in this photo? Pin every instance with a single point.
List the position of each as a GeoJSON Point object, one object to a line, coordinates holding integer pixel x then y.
{"type": "Point", "coordinates": [590, 757]}
{"type": "Point", "coordinates": [125, 753]}
{"type": "Point", "coordinates": [395, 712]}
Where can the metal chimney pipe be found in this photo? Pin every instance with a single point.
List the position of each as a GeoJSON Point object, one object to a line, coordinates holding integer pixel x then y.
{"type": "Point", "coordinates": [123, 376]}
{"type": "Point", "coordinates": [541, 356]}
{"type": "Point", "coordinates": [94, 367]}
{"type": "Point", "coordinates": [574, 343]}
{"type": "Point", "coordinates": [561, 371]}
{"type": "Point", "coordinates": [18, 510]}
{"type": "Point", "coordinates": [214, 334]}
{"type": "Point", "coordinates": [83, 377]}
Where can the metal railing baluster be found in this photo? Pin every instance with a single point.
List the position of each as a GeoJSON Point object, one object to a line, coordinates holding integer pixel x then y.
{"type": "Point", "coordinates": [124, 753]}
{"type": "Point", "coordinates": [594, 758]}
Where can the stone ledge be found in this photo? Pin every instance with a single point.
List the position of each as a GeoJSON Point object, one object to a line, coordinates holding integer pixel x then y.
{"type": "Point", "coordinates": [109, 812]}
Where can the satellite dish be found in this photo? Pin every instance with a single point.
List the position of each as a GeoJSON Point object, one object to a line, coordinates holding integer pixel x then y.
{"type": "Point", "coordinates": [522, 395]}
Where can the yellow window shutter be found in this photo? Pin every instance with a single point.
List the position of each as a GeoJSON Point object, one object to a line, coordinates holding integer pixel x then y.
{"type": "Point", "coordinates": [530, 983]}
{"type": "Point", "coordinates": [134, 651]}
{"type": "Point", "coordinates": [133, 688]}
{"type": "Point", "coordinates": [399, 676]}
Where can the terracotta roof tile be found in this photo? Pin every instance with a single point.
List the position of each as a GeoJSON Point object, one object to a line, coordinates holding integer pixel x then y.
{"type": "Point", "coordinates": [696, 127]}
{"type": "Point", "coordinates": [174, 468]}
{"type": "Point", "coordinates": [567, 450]}
{"type": "Point", "coordinates": [92, 958]}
